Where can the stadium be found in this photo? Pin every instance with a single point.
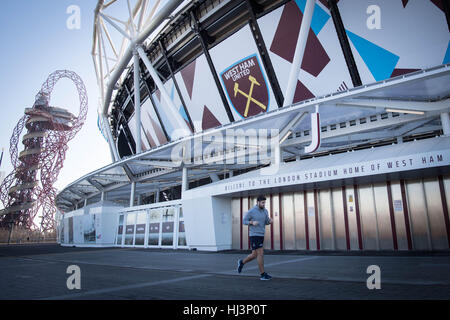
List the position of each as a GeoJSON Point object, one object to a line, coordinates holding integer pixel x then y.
{"type": "Point", "coordinates": [336, 110]}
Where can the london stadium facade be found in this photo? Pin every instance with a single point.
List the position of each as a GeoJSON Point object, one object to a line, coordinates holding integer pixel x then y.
{"type": "Point", "coordinates": [337, 111]}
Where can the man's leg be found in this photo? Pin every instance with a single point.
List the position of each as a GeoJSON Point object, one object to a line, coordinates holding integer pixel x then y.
{"type": "Point", "coordinates": [260, 258]}
{"type": "Point", "coordinates": [250, 257]}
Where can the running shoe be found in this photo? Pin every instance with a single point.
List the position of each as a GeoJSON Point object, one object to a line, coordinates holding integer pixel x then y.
{"type": "Point", "coordinates": [265, 276]}
{"type": "Point", "coordinates": [240, 266]}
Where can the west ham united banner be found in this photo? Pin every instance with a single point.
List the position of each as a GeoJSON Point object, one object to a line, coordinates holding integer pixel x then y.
{"type": "Point", "coordinates": [246, 87]}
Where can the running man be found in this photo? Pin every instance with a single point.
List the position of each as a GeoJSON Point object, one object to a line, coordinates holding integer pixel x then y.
{"type": "Point", "coordinates": [257, 218]}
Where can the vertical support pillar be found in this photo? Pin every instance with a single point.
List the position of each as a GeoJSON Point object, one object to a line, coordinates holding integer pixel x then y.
{"type": "Point", "coordinates": [280, 212]}
{"type": "Point", "coordinates": [240, 224]}
{"type": "Point", "coordinates": [137, 101]}
{"type": "Point", "coordinates": [376, 217]}
{"type": "Point", "coordinates": [299, 52]}
{"type": "Point", "coordinates": [445, 120]}
{"type": "Point", "coordinates": [271, 225]}
{"type": "Point", "coordinates": [427, 221]}
{"type": "Point", "coordinates": [358, 217]}
{"type": "Point", "coordinates": [201, 37]}
{"type": "Point", "coordinates": [102, 196]}
{"type": "Point", "coordinates": [112, 147]}
{"type": "Point", "coordinates": [157, 196]}
{"type": "Point", "coordinates": [139, 199]}
{"type": "Point", "coordinates": [176, 229]}
{"type": "Point", "coordinates": [305, 211]}
{"type": "Point", "coordinates": [184, 181]}
{"type": "Point", "coordinates": [332, 222]}
{"type": "Point", "coordinates": [444, 207]}
{"type": "Point", "coordinates": [392, 215]}
{"type": "Point", "coordinates": [316, 219]}
{"type": "Point", "coordinates": [133, 190]}
{"type": "Point", "coordinates": [406, 215]}
{"type": "Point", "coordinates": [344, 201]}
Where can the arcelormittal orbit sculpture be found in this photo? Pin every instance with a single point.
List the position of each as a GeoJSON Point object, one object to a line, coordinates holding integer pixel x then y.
{"type": "Point", "coordinates": [28, 189]}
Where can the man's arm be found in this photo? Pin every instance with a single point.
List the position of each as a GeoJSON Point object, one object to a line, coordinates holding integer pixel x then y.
{"type": "Point", "coordinates": [268, 220]}
{"type": "Point", "coordinates": [247, 218]}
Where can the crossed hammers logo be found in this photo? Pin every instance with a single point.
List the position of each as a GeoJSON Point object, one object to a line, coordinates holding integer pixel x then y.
{"type": "Point", "coordinates": [249, 95]}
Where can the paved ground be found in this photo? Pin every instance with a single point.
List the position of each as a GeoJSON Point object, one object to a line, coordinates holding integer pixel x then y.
{"type": "Point", "coordinates": [39, 272]}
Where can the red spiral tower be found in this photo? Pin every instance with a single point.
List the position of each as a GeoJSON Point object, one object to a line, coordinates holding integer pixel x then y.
{"type": "Point", "coordinates": [28, 189]}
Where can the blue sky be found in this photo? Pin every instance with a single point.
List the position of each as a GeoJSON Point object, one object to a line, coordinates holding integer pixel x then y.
{"type": "Point", "coordinates": [36, 42]}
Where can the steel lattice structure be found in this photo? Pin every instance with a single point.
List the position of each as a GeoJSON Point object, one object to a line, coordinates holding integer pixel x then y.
{"type": "Point", "coordinates": [29, 189]}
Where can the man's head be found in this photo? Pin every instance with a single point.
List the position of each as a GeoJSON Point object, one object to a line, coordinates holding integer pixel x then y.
{"type": "Point", "coordinates": [261, 200]}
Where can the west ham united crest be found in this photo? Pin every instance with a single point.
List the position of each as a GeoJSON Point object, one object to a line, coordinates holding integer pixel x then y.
{"type": "Point", "coordinates": [246, 87]}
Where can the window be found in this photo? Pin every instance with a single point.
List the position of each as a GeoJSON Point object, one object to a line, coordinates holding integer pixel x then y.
{"type": "Point", "coordinates": [181, 231]}
{"type": "Point", "coordinates": [120, 230]}
{"type": "Point", "coordinates": [168, 218]}
{"type": "Point", "coordinates": [154, 226]}
{"type": "Point", "coordinates": [140, 228]}
{"type": "Point", "coordinates": [129, 230]}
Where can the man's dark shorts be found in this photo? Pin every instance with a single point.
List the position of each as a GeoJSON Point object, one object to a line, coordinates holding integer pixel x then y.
{"type": "Point", "coordinates": [256, 242]}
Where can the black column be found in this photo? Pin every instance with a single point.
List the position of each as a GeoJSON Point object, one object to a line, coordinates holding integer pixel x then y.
{"type": "Point", "coordinates": [126, 132]}
{"type": "Point", "coordinates": [257, 36]}
{"type": "Point", "coordinates": [203, 38]}
{"type": "Point", "coordinates": [345, 45]}
{"type": "Point", "coordinates": [446, 5]}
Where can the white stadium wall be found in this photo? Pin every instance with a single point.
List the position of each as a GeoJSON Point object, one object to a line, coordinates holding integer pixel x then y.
{"type": "Point", "coordinates": [93, 225]}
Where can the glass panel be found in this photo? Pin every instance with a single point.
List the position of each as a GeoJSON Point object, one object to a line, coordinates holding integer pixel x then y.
{"type": "Point", "coordinates": [120, 230]}
{"type": "Point", "coordinates": [167, 226]}
{"type": "Point", "coordinates": [129, 230]}
{"type": "Point", "coordinates": [181, 234]}
{"type": "Point", "coordinates": [288, 221]}
{"type": "Point", "coordinates": [89, 228]}
{"type": "Point", "coordinates": [154, 226]}
{"type": "Point", "coordinates": [140, 228]}
{"type": "Point", "coordinates": [418, 214]}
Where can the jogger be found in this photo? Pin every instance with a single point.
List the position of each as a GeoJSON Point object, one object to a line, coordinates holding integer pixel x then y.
{"type": "Point", "coordinates": [257, 218]}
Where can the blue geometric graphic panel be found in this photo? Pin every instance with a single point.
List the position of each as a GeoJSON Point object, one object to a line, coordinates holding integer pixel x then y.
{"type": "Point", "coordinates": [380, 62]}
{"type": "Point", "coordinates": [447, 55]}
{"type": "Point", "coordinates": [319, 18]}
{"type": "Point", "coordinates": [183, 113]}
